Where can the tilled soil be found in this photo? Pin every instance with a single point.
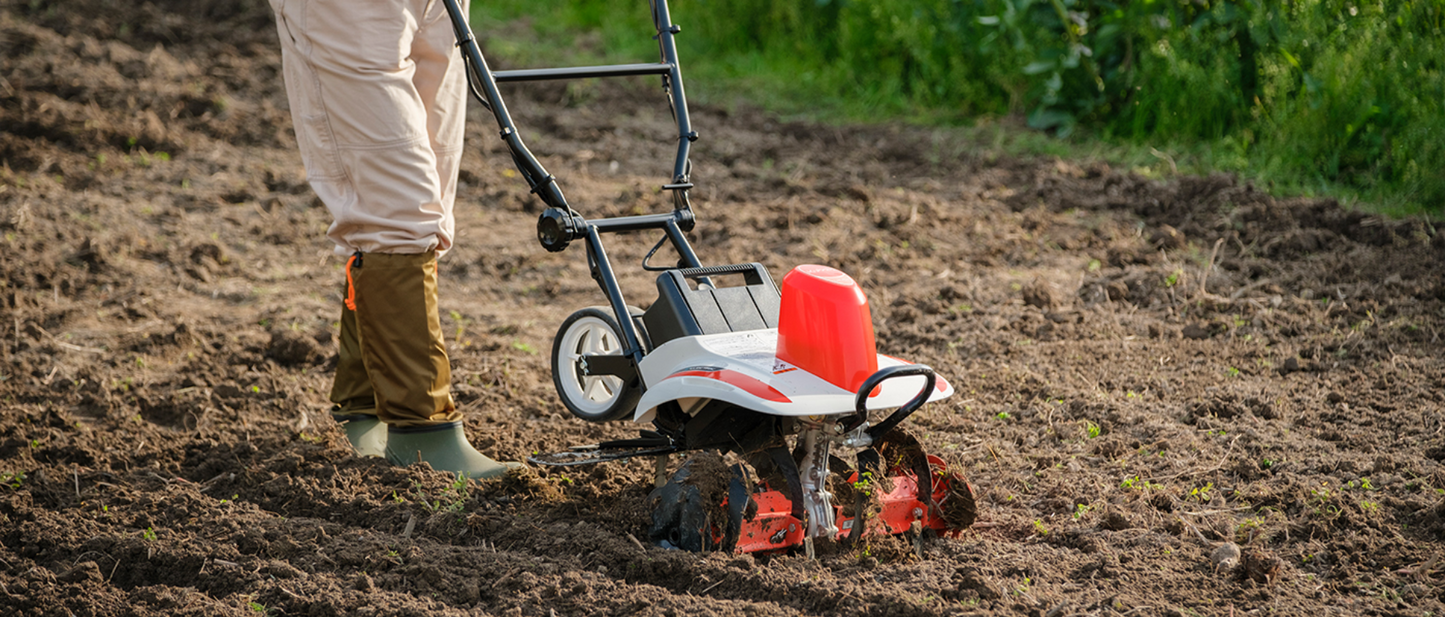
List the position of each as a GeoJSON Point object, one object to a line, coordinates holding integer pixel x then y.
{"type": "Point", "coordinates": [1145, 368]}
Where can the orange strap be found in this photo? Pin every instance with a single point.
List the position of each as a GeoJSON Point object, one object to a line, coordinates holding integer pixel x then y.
{"type": "Point", "coordinates": [350, 286]}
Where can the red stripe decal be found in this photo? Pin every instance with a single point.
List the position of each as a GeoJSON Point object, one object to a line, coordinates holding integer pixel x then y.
{"type": "Point", "coordinates": [748, 384]}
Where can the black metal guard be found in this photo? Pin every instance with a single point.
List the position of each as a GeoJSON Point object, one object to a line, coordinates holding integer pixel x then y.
{"type": "Point", "coordinates": [902, 413]}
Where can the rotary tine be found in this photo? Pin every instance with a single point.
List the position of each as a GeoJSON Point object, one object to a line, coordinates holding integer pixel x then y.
{"type": "Point", "coordinates": [739, 492]}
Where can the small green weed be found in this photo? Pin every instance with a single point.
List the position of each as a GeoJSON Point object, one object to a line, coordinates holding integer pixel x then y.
{"type": "Point", "coordinates": [149, 534]}
{"type": "Point", "coordinates": [1363, 483]}
{"type": "Point", "coordinates": [453, 498]}
{"type": "Point", "coordinates": [12, 480]}
{"type": "Point", "coordinates": [864, 484]}
{"type": "Point", "coordinates": [1201, 493]}
{"type": "Point", "coordinates": [462, 323]}
{"type": "Point", "coordinates": [1246, 529]}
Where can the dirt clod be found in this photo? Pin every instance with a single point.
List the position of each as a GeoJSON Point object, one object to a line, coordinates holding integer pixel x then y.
{"type": "Point", "coordinates": [1037, 294]}
{"type": "Point", "coordinates": [1261, 566]}
{"type": "Point", "coordinates": [1225, 557]}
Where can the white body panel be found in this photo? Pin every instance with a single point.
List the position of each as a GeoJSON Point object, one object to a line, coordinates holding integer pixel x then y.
{"type": "Point", "coordinates": [741, 368]}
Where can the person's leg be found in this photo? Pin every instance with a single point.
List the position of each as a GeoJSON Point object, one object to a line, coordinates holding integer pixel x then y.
{"type": "Point", "coordinates": [377, 141]}
{"type": "Point", "coordinates": [353, 401]}
{"type": "Point", "coordinates": [440, 81]}
{"type": "Point", "coordinates": [406, 359]}
{"type": "Point", "coordinates": [401, 337]}
{"type": "Point", "coordinates": [362, 124]}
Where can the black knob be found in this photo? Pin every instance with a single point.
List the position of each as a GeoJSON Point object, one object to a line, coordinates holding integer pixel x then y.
{"type": "Point", "coordinates": [556, 228]}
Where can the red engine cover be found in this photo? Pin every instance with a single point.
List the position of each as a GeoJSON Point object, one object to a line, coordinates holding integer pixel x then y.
{"type": "Point", "coordinates": [824, 326]}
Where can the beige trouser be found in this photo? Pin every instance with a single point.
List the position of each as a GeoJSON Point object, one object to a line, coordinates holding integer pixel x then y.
{"type": "Point", "coordinates": [378, 99]}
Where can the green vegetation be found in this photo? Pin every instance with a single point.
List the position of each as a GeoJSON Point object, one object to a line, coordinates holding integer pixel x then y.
{"type": "Point", "coordinates": [453, 498]}
{"type": "Point", "coordinates": [1201, 493]}
{"type": "Point", "coordinates": [1319, 96]}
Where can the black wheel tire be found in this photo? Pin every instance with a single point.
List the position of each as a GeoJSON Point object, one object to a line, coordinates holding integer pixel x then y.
{"type": "Point", "coordinates": [593, 398]}
{"type": "Point", "coordinates": [680, 518]}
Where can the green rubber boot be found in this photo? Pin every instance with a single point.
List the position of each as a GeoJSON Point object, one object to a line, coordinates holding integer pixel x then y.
{"type": "Point", "coordinates": [365, 432]}
{"type": "Point", "coordinates": [444, 447]}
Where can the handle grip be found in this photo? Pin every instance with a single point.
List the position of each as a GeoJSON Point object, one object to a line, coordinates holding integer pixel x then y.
{"type": "Point", "coordinates": [902, 413]}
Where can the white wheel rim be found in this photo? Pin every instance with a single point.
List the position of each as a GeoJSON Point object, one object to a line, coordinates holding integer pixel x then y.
{"type": "Point", "coordinates": [590, 394]}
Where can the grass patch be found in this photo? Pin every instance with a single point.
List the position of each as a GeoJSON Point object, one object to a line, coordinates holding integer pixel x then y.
{"type": "Point", "coordinates": [1313, 98]}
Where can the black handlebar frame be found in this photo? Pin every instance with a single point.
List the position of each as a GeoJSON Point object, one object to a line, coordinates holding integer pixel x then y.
{"type": "Point", "coordinates": [559, 224]}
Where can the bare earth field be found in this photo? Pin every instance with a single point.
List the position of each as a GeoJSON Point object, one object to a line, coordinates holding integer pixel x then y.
{"type": "Point", "coordinates": [1145, 368]}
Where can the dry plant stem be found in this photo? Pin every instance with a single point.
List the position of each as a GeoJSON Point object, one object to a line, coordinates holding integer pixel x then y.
{"type": "Point", "coordinates": [508, 575]}
{"type": "Point", "coordinates": [1196, 531]}
{"type": "Point", "coordinates": [635, 542]}
{"type": "Point", "coordinates": [1204, 278]}
{"type": "Point", "coordinates": [714, 585]}
{"type": "Point", "coordinates": [1202, 471]}
{"type": "Point", "coordinates": [1213, 512]}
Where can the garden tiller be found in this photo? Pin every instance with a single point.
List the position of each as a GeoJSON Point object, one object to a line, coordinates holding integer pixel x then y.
{"type": "Point", "coordinates": [784, 381]}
